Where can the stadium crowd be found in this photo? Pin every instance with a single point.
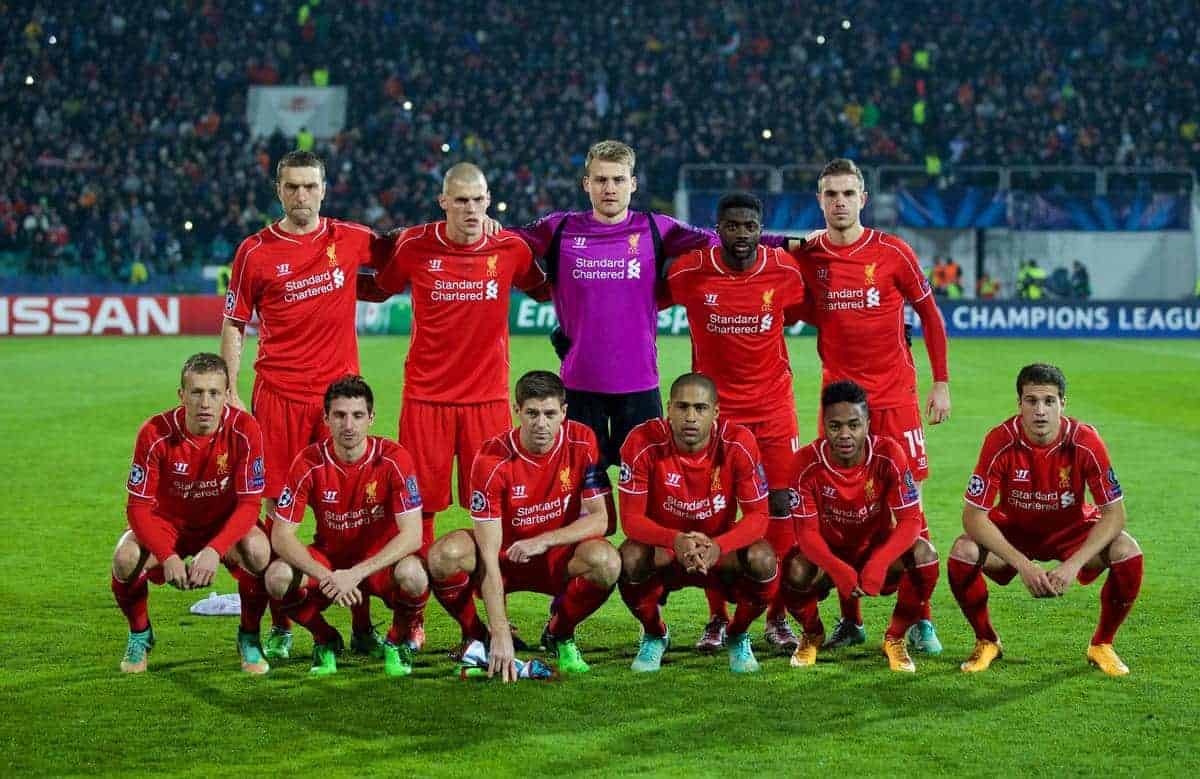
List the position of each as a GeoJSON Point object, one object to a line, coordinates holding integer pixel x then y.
{"type": "Point", "coordinates": [126, 122]}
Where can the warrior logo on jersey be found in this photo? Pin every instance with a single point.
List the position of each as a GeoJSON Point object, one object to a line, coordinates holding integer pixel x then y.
{"type": "Point", "coordinates": [331, 253]}
{"type": "Point", "coordinates": [869, 273]}
{"type": "Point", "coordinates": [410, 484]}
{"type": "Point", "coordinates": [674, 480]}
{"type": "Point", "coordinates": [137, 474]}
{"type": "Point", "coordinates": [1114, 486]}
{"type": "Point", "coordinates": [716, 479]}
{"type": "Point", "coordinates": [491, 264]}
{"type": "Point", "coordinates": [626, 474]}
{"type": "Point", "coordinates": [1064, 476]}
{"type": "Point", "coordinates": [223, 463]}
{"type": "Point", "coordinates": [372, 486]}
{"type": "Point", "coordinates": [286, 498]}
{"type": "Point", "coordinates": [975, 486]}
{"type": "Point", "coordinates": [478, 501]}
{"type": "Point", "coordinates": [768, 300]}
{"type": "Point", "coordinates": [869, 489]}
{"type": "Point", "coordinates": [633, 242]}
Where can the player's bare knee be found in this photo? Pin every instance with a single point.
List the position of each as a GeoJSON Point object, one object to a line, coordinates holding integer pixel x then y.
{"type": "Point", "coordinates": [779, 503]}
{"type": "Point", "coordinates": [761, 563]}
{"type": "Point", "coordinates": [279, 579]}
{"type": "Point", "coordinates": [254, 551]}
{"type": "Point", "coordinates": [451, 554]}
{"type": "Point", "coordinates": [966, 550]}
{"type": "Point", "coordinates": [409, 575]}
{"type": "Point", "coordinates": [127, 558]}
{"type": "Point", "coordinates": [602, 561]}
{"type": "Point", "coordinates": [1123, 547]}
{"type": "Point", "coordinates": [923, 552]}
{"type": "Point", "coordinates": [637, 560]}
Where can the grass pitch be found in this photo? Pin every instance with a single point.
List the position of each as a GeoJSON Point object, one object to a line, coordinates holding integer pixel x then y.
{"type": "Point", "coordinates": [67, 710]}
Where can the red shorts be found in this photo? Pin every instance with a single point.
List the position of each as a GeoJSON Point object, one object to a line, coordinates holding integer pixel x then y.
{"type": "Point", "coordinates": [435, 433]}
{"type": "Point", "coordinates": [729, 586]}
{"type": "Point", "coordinates": [287, 427]}
{"type": "Point", "coordinates": [778, 441]}
{"type": "Point", "coordinates": [903, 423]}
{"type": "Point", "coordinates": [186, 543]}
{"type": "Point", "coordinates": [1057, 546]}
{"type": "Point", "coordinates": [381, 584]}
{"type": "Point", "coordinates": [546, 573]}
{"type": "Point", "coordinates": [857, 559]}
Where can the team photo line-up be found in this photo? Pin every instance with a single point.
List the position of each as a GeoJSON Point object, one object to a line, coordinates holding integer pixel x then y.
{"type": "Point", "coordinates": [718, 493]}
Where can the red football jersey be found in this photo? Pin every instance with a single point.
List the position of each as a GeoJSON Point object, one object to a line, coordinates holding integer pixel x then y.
{"type": "Point", "coordinates": [303, 288]}
{"type": "Point", "coordinates": [355, 503]}
{"type": "Point", "coordinates": [736, 321]}
{"type": "Point", "coordinates": [692, 491]}
{"type": "Point", "coordinates": [531, 494]}
{"type": "Point", "coordinates": [859, 292]}
{"type": "Point", "coordinates": [1040, 488]}
{"type": "Point", "coordinates": [854, 506]}
{"type": "Point", "coordinates": [460, 297]}
{"type": "Point", "coordinates": [194, 481]}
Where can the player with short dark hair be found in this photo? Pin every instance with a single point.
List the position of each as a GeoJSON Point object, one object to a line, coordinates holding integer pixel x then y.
{"type": "Point", "coordinates": [859, 280]}
{"type": "Point", "coordinates": [735, 295]}
{"type": "Point", "coordinates": [195, 490]}
{"type": "Point", "coordinates": [299, 276]}
{"type": "Point", "coordinates": [365, 497]}
{"type": "Point", "coordinates": [683, 480]}
{"type": "Point", "coordinates": [456, 372]}
{"type": "Point", "coordinates": [858, 527]}
{"type": "Point", "coordinates": [1025, 503]}
{"type": "Point", "coordinates": [537, 501]}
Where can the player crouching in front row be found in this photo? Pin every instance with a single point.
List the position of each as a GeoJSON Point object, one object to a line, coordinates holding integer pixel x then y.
{"type": "Point", "coordinates": [683, 479]}
{"type": "Point", "coordinates": [1034, 468]}
{"type": "Point", "coordinates": [195, 488]}
{"type": "Point", "coordinates": [367, 505]}
{"type": "Point", "coordinates": [849, 484]}
{"type": "Point", "coordinates": [538, 505]}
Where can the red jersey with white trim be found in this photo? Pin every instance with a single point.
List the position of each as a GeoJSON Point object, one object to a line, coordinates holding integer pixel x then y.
{"type": "Point", "coordinates": [854, 505]}
{"type": "Point", "coordinates": [531, 494]}
{"type": "Point", "coordinates": [736, 322]}
{"type": "Point", "coordinates": [1039, 489]}
{"type": "Point", "coordinates": [698, 491]}
{"type": "Point", "coordinates": [303, 288]}
{"type": "Point", "coordinates": [460, 300]}
{"type": "Point", "coordinates": [355, 504]}
{"type": "Point", "coordinates": [194, 481]}
{"type": "Point", "coordinates": [859, 292]}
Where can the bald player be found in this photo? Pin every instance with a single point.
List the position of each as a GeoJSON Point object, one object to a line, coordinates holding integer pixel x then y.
{"type": "Point", "coordinates": [456, 372]}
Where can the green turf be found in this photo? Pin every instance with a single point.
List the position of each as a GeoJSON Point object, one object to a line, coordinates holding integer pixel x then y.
{"type": "Point", "coordinates": [67, 710]}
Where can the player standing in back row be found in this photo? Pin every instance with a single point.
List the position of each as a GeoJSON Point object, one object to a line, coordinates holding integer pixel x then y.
{"type": "Point", "coordinates": [859, 280]}
{"type": "Point", "coordinates": [299, 274]}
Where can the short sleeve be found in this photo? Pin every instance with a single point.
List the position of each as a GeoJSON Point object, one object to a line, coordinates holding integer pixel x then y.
{"type": "Point", "coordinates": [487, 488]}
{"type": "Point", "coordinates": [1098, 471]}
{"type": "Point", "coordinates": [244, 288]}
{"type": "Point", "coordinates": [984, 484]}
{"type": "Point", "coordinates": [147, 457]}
{"type": "Point", "coordinates": [251, 473]}
{"type": "Point", "coordinates": [294, 498]}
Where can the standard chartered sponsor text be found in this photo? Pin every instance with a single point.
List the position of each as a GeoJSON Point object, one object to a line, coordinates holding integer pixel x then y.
{"type": "Point", "coordinates": [461, 291]}
{"type": "Point", "coordinates": [598, 269]}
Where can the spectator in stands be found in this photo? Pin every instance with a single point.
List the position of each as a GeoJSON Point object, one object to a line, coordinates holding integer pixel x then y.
{"type": "Point", "coordinates": [1081, 282]}
{"type": "Point", "coordinates": [987, 288]}
{"type": "Point", "coordinates": [1031, 280]}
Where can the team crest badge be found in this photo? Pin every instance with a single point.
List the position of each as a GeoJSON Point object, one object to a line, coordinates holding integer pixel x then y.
{"type": "Point", "coordinates": [870, 489]}
{"type": "Point", "coordinates": [372, 488]}
{"type": "Point", "coordinates": [975, 486]}
{"type": "Point", "coordinates": [716, 479]}
{"type": "Point", "coordinates": [491, 265]}
{"type": "Point", "coordinates": [869, 273]}
{"type": "Point", "coordinates": [768, 300]}
{"type": "Point", "coordinates": [478, 501]}
{"type": "Point", "coordinates": [223, 463]}
{"type": "Point", "coordinates": [1064, 476]}
{"type": "Point", "coordinates": [633, 242]}
{"type": "Point", "coordinates": [564, 479]}
{"type": "Point", "coordinates": [331, 253]}
{"type": "Point", "coordinates": [626, 474]}
{"type": "Point", "coordinates": [137, 475]}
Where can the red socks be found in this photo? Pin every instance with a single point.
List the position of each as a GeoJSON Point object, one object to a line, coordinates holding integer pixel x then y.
{"type": "Point", "coordinates": [1117, 595]}
{"type": "Point", "coordinates": [132, 598]}
{"type": "Point", "coordinates": [253, 594]}
{"type": "Point", "coordinates": [912, 599]}
{"type": "Point", "coordinates": [716, 604]}
{"type": "Point", "coordinates": [642, 599]}
{"type": "Point", "coordinates": [457, 596]}
{"type": "Point", "coordinates": [407, 610]}
{"type": "Point", "coordinates": [578, 602]}
{"type": "Point", "coordinates": [752, 600]}
{"type": "Point", "coordinates": [971, 592]}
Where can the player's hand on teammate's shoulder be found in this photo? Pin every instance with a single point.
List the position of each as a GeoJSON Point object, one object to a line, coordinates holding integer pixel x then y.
{"type": "Point", "coordinates": [937, 408]}
{"type": "Point", "coordinates": [491, 226]}
{"type": "Point", "coordinates": [501, 654]}
{"type": "Point", "coordinates": [203, 568]}
{"type": "Point", "coordinates": [1037, 581]}
{"type": "Point", "coordinates": [175, 572]}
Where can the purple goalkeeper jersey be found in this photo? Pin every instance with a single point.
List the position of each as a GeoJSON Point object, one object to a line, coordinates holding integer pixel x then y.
{"type": "Point", "coordinates": [604, 293]}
